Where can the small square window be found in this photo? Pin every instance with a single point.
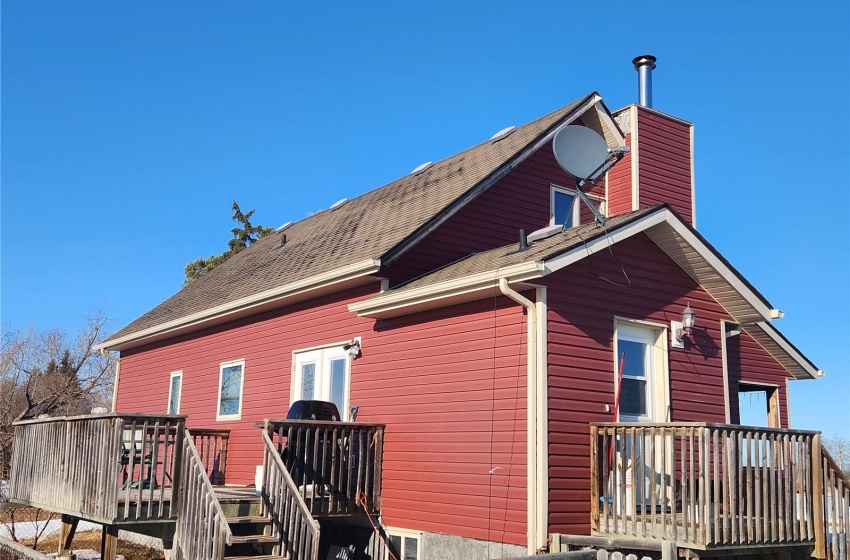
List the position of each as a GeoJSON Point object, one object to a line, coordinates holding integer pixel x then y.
{"type": "Point", "coordinates": [231, 380]}
{"type": "Point", "coordinates": [565, 207]}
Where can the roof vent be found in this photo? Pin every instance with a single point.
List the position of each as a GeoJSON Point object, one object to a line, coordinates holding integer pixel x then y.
{"type": "Point", "coordinates": [543, 233]}
{"type": "Point", "coordinates": [284, 226]}
{"type": "Point", "coordinates": [338, 203]}
{"type": "Point", "coordinates": [502, 133]}
{"type": "Point", "coordinates": [422, 168]}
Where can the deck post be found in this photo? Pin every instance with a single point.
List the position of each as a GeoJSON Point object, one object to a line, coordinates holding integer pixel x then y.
{"type": "Point", "coordinates": [177, 478]}
{"type": "Point", "coordinates": [817, 497]}
{"type": "Point", "coordinates": [66, 534]}
{"type": "Point", "coordinates": [669, 551]}
{"type": "Point", "coordinates": [109, 542]}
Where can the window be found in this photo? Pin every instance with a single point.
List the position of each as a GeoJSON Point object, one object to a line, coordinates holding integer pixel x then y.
{"type": "Point", "coordinates": [322, 374]}
{"type": "Point", "coordinates": [564, 205]}
{"type": "Point", "coordinates": [175, 387]}
{"type": "Point", "coordinates": [406, 543]}
{"type": "Point", "coordinates": [230, 382]}
{"type": "Point", "coordinates": [644, 387]}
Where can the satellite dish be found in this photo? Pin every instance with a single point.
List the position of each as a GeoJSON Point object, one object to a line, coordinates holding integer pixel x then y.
{"type": "Point", "coordinates": [580, 151]}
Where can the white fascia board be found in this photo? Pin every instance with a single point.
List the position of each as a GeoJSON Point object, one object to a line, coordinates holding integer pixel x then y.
{"type": "Point", "coordinates": [792, 352]}
{"type": "Point", "coordinates": [278, 295]}
{"type": "Point", "coordinates": [578, 253]}
{"type": "Point", "coordinates": [390, 303]}
{"type": "Point", "coordinates": [720, 267]}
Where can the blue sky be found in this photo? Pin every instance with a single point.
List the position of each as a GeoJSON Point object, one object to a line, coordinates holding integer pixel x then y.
{"type": "Point", "coordinates": [127, 129]}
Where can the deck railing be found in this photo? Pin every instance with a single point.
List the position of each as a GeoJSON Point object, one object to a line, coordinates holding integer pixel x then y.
{"type": "Point", "coordinates": [202, 530]}
{"type": "Point", "coordinates": [336, 466]}
{"type": "Point", "coordinates": [292, 523]}
{"type": "Point", "coordinates": [704, 485]}
{"type": "Point", "coordinates": [92, 466]}
{"type": "Point", "coordinates": [212, 449]}
{"type": "Point", "coordinates": [834, 510]}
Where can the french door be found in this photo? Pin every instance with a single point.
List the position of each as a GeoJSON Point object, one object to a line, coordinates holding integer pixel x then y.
{"type": "Point", "coordinates": [322, 375]}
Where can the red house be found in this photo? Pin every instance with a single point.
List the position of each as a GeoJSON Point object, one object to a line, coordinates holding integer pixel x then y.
{"type": "Point", "coordinates": [496, 368]}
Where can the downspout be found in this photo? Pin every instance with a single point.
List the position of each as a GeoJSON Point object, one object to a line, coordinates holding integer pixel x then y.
{"type": "Point", "coordinates": [117, 375]}
{"type": "Point", "coordinates": [532, 485]}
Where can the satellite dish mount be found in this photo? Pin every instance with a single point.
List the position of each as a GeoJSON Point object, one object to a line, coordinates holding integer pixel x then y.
{"type": "Point", "coordinates": [585, 155]}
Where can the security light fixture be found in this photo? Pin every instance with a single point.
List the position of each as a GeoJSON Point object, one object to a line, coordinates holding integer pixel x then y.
{"type": "Point", "coordinates": [353, 347]}
{"type": "Point", "coordinates": [688, 320]}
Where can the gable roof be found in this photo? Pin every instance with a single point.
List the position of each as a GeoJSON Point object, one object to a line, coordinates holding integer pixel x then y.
{"type": "Point", "coordinates": [477, 276]}
{"type": "Point", "coordinates": [343, 246]}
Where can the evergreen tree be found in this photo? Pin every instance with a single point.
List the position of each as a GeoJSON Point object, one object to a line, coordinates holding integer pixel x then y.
{"type": "Point", "coordinates": [244, 234]}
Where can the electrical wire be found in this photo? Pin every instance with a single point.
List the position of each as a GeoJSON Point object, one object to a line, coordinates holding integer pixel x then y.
{"type": "Point", "coordinates": [590, 270]}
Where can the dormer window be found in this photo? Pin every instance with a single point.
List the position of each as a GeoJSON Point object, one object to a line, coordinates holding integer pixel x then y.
{"type": "Point", "coordinates": [562, 209]}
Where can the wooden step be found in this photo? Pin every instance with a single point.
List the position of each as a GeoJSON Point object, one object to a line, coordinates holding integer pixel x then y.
{"type": "Point", "coordinates": [248, 519]}
{"type": "Point", "coordinates": [252, 539]}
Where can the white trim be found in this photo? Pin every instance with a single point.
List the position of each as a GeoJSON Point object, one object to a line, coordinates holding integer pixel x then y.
{"type": "Point", "coordinates": [756, 384]}
{"type": "Point", "coordinates": [635, 158]}
{"type": "Point", "coordinates": [384, 305]}
{"type": "Point", "coordinates": [238, 415]}
{"type": "Point", "coordinates": [787, 404]}
{"type": "Point", "coordinates": [693, 183]}
{"type": "Point", "coordinates": [474, 286]}
{"type": "Point", "coordinates": [276, 295]}
{"type": "Point", "coordinates": [578, 253]}
{"type": "Point", "coordinates": [542, 428]}
{"type": "Point", "coordinates": [178, 373]}
{"type": "Point", "coordinates": [724, 363]}
{"type": "Point", "coordinates": [792, 352]}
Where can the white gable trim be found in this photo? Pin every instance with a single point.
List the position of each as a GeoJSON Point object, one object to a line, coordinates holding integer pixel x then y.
{"type": "Point", "coordinates": [783, 351]}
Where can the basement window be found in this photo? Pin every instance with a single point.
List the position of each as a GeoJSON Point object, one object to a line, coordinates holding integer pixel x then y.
{"type": "Point", "coordinates": [230, 383]}
{"type": "Point", "coordinates": [406, 544]}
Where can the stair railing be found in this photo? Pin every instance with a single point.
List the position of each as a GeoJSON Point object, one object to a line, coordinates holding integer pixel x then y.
{"type": "Point", "coordinates": [832, 514]}
{"type": "Point", "coordinates": [292, 523]}
{"type": "Point", "coordinates": [202, 531]}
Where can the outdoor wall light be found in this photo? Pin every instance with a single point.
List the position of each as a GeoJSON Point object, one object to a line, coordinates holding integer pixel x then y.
{"type": "Point", "coordinates": [353, 347]}
{"type": "Point", "coordinates": [688, 320]}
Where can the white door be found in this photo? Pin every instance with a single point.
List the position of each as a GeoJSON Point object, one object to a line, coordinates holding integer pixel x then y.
{"type": "Point", "coordinates": [322, 375]}
{"type": "Point", "coordinates": [643, 398]}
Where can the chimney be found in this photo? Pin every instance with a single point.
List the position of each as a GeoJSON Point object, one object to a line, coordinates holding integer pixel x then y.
{"type": "Point", "coordinates": [645, 64]}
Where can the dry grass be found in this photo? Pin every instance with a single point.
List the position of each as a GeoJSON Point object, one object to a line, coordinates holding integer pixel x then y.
{"type": "Point", "coordinates": [91, 540]}
{"type": "Point", "coordinates": [25, 514]}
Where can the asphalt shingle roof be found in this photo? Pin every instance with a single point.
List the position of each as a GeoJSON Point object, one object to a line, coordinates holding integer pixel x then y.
{"type": "Point", "coordinates": [365, 227]}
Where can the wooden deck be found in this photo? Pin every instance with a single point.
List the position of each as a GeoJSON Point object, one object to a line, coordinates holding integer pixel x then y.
{"type": "Point", "coordinates": [714, 486]}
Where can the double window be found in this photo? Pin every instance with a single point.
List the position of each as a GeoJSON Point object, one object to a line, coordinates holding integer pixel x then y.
{"type": "Point", "coordinates": [322, 374]}
{"type": "Point", "coordinates": [230, 383]}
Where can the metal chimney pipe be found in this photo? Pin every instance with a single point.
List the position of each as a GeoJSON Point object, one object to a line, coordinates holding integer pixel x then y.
{"type": "Point", "coordinates": [644, 64]}
{"type": "Point", "coordinates": [523, 240]}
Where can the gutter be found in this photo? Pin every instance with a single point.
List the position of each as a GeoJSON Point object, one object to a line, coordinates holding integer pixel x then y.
{"type": "Point", "coordinates": [250, 304]}
{"type": "Point", "coordinates": [537, 482]}
{"type": "Point", "coordinates": [400, 302]}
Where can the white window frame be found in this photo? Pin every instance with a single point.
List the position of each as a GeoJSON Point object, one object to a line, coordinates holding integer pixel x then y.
{"type": "Point", "coordinates": [658, 386]}
{"type": "Point", "coordinates": [178, 373]}
{"type": "Point", "coordinates": [601, 204]}
{"type": "Point", "coordinates": [322, 356]}
{"type": "Point", "coordinates": [404, 534]}
{"type": "Point", "coordinates": [238, 414]}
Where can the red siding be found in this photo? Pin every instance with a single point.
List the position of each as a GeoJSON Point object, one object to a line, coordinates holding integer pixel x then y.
{"type": "Point", "coordinates": [519, 200]}
{"type": "Point", "coordinates": [749, 362]}
{"type": "Point", "coordinates": [581, 315]}
{"type": "Point", "coordinates": [449, 384]}
{"type": "Point", "coordinates": [620, 184]}
{"type": "Point", "coordinates": [664, 160]}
